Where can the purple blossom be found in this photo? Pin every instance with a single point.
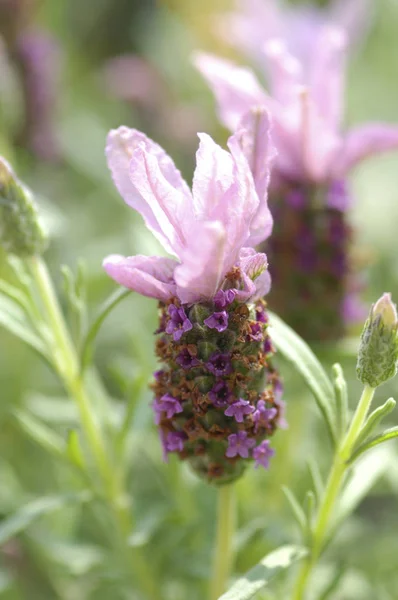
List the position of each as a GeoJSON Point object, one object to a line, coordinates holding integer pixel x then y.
{"type": "Point", "coordinates": [263, 416]}
{"type": "Point", "coordinates": [267, 345]}
{"type": "Point", "coordinates": [219, 364]}
{"type": "Point", "coordinates": [256, 332]}
{"type": "Point", "coordinates": [338, 196]}
{"type": "Point", "coordinates": [186, 360]}
{"type": "Point", "coordinates": [262, 454]}
{"type": "Point", "coordinates": [166, 404]}
{"type": "Point", "coordinates": [223, 298]}
{"type": "Point", "coordinates": [239, 409]}
{"type": "Point", "coordinates": [239, 445]}
{"type": "Point", "coordinates": [205, 229]}
{"type": "Point", "coordinates": [178, 323]}
{"type": "Point", "coordinates": [173, 441]}
{"type": "Point", "coordinates": [218, 320]}
{"type": "Point", "coordinates": [220, 394]}
{"type": "Point", "coordinates": [261, 314]}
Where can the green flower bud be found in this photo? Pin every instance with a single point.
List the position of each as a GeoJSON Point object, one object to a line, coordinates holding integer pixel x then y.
{"type": "Point", "coordinates": [21, 233]}
{"type": "Point", "coordinates": [378, 350]}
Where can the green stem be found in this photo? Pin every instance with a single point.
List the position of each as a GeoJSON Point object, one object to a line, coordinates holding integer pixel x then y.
{"type": "Point", "coordinates": [66, 362]}
{"type": "Point", "coordinates": [333, 486]}
{"type": "Point", "coordinates": [223, 556]}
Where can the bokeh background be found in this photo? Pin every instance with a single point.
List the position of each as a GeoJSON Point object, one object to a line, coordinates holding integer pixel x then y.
{"type": "Point", "coordinates": [94, 65]}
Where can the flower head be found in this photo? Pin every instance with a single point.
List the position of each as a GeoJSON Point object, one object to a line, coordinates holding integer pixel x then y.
{"type": "Point", "coordinates": [206, 229]}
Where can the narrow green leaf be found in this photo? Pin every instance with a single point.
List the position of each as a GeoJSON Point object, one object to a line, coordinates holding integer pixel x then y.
{"type": "Point", "coordinates": [305, 362]}
{"type": "Point", "coordinates": [388, 434]}
{"type": "Point", "coordinates": [364, 475]}
{"type": "Point", "coordinates": [104, 310]}
{"type": "Point", "coordinates": [316, 479]}
{"type": "Point", "coordinates": [297, 510]}
{"type": "Point", "coordinates": [40, 433]}
{"type": "Point", "coordinates": [25, 516]}
{"type": "Point", "coordinates": [14, 319]}
{"type": "Point", "coordinates": [266, 570]}
{"type": "Point", "coordinates": [340, 390]}
{"type": "Point", "coordinates": [74, 451]}
{"type": "Point", "coordinates": [333, 585]}
{"type": "Point", "coordinates": [374, 420]}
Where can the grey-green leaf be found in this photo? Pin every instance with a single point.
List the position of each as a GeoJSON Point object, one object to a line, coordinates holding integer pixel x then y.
{"type": "Point", "coordinates": [40, 433]}
{"type": "Point", "coordinates": [13, 318]}
{"type": "Point", "coordinates": [297, 509]}
{"type": "Point", "coordinates": [388, 434]}
{"type": "Point", "coordinates": [340, 390]}
{"type": "Point", "coordinates": [266, 570]}
{"type": "Point", "coordinates": [25, 516]}
{"type": "Point", "coordinates": [103, 312]}
{"type": "Point", "coordinates": [373, 420]}
{"type": "Point", "coordinates": [305, 362]}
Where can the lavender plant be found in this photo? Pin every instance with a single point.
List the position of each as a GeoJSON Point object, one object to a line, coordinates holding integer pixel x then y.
{"type": "Point", "coordinates": [312, 265]}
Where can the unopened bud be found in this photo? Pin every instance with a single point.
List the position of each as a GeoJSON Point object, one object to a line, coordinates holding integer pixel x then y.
{"type": "Point", "coordinates": [378, 351]}
{"type": "Point", "coordinates": [21, 232]}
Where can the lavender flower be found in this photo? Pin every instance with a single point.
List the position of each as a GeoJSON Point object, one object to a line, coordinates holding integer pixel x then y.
{"type": "Point", "coordinates": [210, 339]}
{"type": "Point", "coordinates": [178, 323]}
{"type": "Point", "coordinates": [220, 364]}
{"type": "Point", "coordinates": [239, 410]}
{"type": "Point", "coordinates": [218, 320]}
{"type": "Point", "coordinates": [262, 453]}
{"type": "Point", "coordinates": [315, 156]}
{"type": "Point", "coordinates": [220, 394]}
{"type": "Point", "coordinates": [263, 416]}
{"type": "Point", "coordinates": [239, 444]}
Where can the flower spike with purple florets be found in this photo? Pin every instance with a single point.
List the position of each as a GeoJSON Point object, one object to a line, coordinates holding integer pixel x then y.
{"type": "Point", "coordinates": [309, 251]}
{"type": "Point", "coordinates": [215, 353]}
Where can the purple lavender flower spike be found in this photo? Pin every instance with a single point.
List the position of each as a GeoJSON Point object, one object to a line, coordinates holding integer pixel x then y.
{"type": "Point", "coordinates": [218, 320]}
{"type": "Point", "coordinates": [186, 360]}
{"type": "Point", "coordinates": [262, 454]}
{"type": "Point", "coordinates": [223, 298]}
{"type": "Point", "coordinates": [206, 373]}
{"type": "Point", "coordinates": [220, 394]}
{"type": "Point", "coordinates": [239, 444]}
{"type": "Point", "coordinates": [178, 324]}
{"type": "Point", "coordinates": [239, 410]}
{"type": "Point", "coordinates": [220, 364]}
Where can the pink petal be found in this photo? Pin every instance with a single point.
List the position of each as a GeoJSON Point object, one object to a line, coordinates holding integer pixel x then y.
{"type": "Point", "coordinates": [255, 266]}
{"type": "Point", "coordinates": [148, 180]}
{"type": "Point", "coordinates": [364, 141]}
{"type": "Point", "coordinates": [212, 178]}
{"type": "Point", "coordinates": [284, 70]}
{"type": "Point", "coordinates": [353, 16]}
{"type": "Point", "coordinates": [236, 89]}
{"type": "Point", "coordinates": [202, 270]}
{"type": "Point", "coordinates": [257, 147]}
{"type": "Point", "coordinates": [150, 276]}
{"type": "Point", "coordinates": [327, 76]}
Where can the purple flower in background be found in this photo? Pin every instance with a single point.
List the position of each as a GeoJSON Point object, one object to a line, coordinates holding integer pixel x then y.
{"type": "Point", "coordinates": [256, 332]}
{"type": "Point", "coordinates": [166, 404]}
{"type": "Point", "coordinates": [306, 104]}
{"type": "Point", "coordinates": [206, 229]}
{"type": "Point", "coordinates": [224, 297]}
{"type": "Point", "coordinates": [239, 410]}
{"type": "Point", "coordinates": [220, 394]}
{"type": "Point", "coordinates": [186, 360]}
{"type": "Point", "coordinates": [178, 323]}
{"type": "Point", "coordinates": [218, 320]}
{"type": "Point", "coordinates": [219, 364]}
{"type": "Point", "coordinates": [239, 444]}
{"type": "Point", "coordinates": [262, 454]}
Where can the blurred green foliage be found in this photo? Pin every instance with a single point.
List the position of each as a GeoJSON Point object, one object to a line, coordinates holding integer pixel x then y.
{"type": "Point", "coordinates": [63, 554]}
